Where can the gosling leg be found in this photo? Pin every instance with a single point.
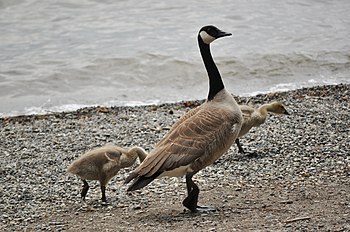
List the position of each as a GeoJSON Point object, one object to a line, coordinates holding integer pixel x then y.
{"type": "Point", "coordinates": [103, 190]}
{"type": "Point", "coordinates": [84, 190]}
{"type": "Point", "coordinates": [240, 148]}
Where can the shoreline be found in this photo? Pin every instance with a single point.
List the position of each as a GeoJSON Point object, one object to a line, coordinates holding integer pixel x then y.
{"type": "Point", "coordinates": [298, 180]}
{"type": "Point", "coordinates": [193, 103]}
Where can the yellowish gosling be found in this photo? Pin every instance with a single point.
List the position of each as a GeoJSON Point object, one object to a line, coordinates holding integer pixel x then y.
{"type": "Point", "coordinates": [104, 163]}
{"type": "Point", "coordinates": [255, 117]}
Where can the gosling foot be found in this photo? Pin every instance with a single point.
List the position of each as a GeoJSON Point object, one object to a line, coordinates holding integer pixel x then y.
{"type": "Point", "coordinates": [252, 154]}
{"type": "Point", "coordinates": [104, 203]}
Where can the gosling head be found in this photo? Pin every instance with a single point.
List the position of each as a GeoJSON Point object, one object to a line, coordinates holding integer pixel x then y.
{"type": "Point", "coordinates": [210, 33]}
{"type": "Point", "coordinates": [138, 152]}
{"type": "Point", "coordinates": [277, 108]}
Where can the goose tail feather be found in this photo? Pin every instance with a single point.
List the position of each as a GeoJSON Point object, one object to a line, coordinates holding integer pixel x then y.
{"type": "Point", "coordinates": [140, 181]}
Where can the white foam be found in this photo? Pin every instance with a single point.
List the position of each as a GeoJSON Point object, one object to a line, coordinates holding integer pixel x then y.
{"type": "Point", "coordinates": [73, 107]}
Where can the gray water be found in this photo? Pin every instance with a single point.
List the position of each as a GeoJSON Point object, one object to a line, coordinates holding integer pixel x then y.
{"type": "Point", "coordinates": [66, 54]}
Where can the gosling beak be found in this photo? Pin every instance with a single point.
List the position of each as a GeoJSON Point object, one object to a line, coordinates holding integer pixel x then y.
{"type": "Point", "coordinates": [286, 112]}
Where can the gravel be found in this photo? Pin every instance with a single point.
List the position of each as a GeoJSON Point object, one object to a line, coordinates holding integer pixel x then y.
{"type": "Point", "coordinates": [297, 179]}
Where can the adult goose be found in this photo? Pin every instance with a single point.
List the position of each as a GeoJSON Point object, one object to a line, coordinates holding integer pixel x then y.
{"type": "Point", "coordinates": [200, 137]}
{"type": "Point", "coordinates": [255, 117]}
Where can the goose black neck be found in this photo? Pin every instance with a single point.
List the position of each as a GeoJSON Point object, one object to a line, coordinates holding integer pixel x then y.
{"type": "Point", "coordinates": [215, 81]}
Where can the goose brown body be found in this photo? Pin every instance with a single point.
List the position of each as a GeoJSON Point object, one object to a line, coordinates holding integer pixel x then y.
{"type": "Point", "coordinates": [200, 138]}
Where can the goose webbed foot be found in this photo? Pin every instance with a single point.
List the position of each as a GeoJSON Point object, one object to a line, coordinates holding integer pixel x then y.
{"type": "Point", "coordinates": [204, 209]}
{"type": "Point", "coordinates": [190, 204]}
{"type": "Point", "coordinates": [191, 201]}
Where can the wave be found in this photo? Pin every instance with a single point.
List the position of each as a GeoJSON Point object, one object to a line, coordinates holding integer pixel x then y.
{"type": "Point", "coordinates": [269, 65]}
{"type": "Point", "coordinates": [154, 79]}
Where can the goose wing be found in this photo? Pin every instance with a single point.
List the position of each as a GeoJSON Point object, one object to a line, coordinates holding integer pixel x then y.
{"type": "Point", "coordinates": [196, 138]}
{"type": "Point", "coordinates": [185, 117]}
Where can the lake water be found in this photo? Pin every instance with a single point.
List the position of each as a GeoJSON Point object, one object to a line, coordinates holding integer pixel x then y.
{"type": "Point", "coordinates": [66, 54]}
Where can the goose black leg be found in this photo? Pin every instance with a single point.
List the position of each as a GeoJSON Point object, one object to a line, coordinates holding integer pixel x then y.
{"type": "Point", "coordinates": [240, 148]}
{"type": "Point", "coordinates": [191, 201]}
{"type": "Point", "coordinates": [84, 190]}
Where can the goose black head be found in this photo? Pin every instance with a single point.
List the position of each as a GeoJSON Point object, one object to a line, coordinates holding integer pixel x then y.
{"type": "Point", "coordinates": [210, 33]}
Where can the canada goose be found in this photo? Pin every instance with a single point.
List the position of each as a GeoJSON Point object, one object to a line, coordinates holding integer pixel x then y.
{"type": "Point", "coordinates": [255, 117]}
{"type": "Point", "coordinates": [103, 163]}
{"type": "Point", "coordinates": [200, 137]}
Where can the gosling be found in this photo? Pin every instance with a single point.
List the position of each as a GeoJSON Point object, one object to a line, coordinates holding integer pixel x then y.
{"type": "Point", "coordinates": [102, 164]}
{"type": "Point", "coordinates": [255, 117]}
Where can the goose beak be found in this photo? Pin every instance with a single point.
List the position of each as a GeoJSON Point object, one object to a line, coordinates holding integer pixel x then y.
{"type": "Point", "coordinates": [286, 112]}
{"type": "Point", "coordinates": [223, 34]}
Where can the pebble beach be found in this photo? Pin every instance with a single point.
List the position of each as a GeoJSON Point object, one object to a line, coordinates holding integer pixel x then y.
{"type": "Point", "coordinates": [297, 177]}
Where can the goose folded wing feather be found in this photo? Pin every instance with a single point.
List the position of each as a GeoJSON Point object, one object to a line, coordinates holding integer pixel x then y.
{"type": "Point", "coordinates": [188, 142]}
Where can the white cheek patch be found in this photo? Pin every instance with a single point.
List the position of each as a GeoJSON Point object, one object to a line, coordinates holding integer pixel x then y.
{"type": "Point", "coordinates": [206, 37]}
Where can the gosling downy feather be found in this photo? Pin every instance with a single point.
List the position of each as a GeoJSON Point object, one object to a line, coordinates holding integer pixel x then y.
{"type": "Point", "coordinates": [255, 117]}
{"type": "Point", "coordinates": [104, 163]}
{"type": "Point", "coordinates": [200, 137]}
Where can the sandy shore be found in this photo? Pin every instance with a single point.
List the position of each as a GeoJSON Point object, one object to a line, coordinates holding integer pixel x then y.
{"type": "Point", "coordinates": [298, 180]}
